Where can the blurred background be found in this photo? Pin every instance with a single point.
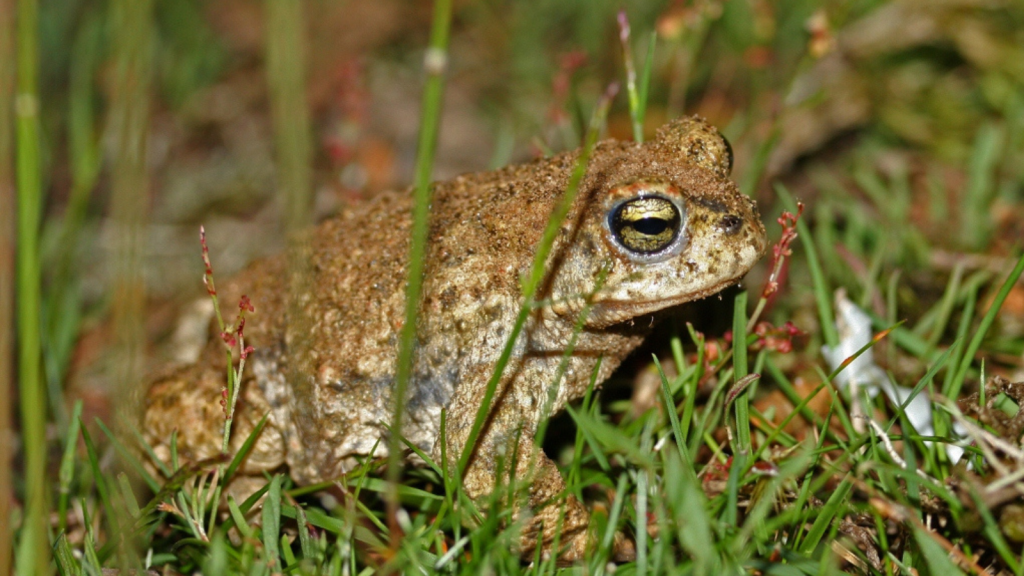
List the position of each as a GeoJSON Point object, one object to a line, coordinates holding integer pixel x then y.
{"type": "Point", "coordinates": [900, 124]}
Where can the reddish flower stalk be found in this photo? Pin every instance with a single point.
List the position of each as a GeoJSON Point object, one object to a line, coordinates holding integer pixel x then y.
{"type": "Point", "coordinates": [778, 339]}
{"type": "Point", "coordinates": [208, 267]}
{"type": "Point", "coordinates": [233, 336]}
{"type": "Point", "coordinates": [211, 288]}
{"type": "Point", "coordinates": [781, 252]}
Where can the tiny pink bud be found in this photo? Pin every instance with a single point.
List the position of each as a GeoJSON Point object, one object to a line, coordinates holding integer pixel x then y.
{"type": "Point", "coordinates": [623, 26]}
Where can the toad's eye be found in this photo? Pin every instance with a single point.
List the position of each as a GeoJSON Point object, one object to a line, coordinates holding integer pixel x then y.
{"type": "Point", "coordinates": [645, 225]}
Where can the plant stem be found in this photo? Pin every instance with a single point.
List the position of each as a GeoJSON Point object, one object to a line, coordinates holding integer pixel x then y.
{"type": "Point", "coordinates": [34, 550]}
{"type": "Point", "coordinates": [286, 78]}
{"type": "Point", "coordinates": [435, 64]}
{"type": "Point", "coordinates": [129, 119]}
{"type": "Point", "coordinates": [7, 247]}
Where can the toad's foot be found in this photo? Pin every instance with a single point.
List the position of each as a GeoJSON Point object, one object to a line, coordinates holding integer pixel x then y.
{"type": "Point", "coordinates": [553, 520]}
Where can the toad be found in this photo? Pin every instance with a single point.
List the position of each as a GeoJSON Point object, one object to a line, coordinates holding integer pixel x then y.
{"type": "Point", "coordinates": [653, 225]}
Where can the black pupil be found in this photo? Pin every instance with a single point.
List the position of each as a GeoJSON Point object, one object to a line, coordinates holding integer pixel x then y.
{"type": "Point", "coordinates": [650, 226]}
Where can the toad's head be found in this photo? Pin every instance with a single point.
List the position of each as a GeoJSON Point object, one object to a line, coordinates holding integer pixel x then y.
{"type": "Point", "coordinates": [655, 225]}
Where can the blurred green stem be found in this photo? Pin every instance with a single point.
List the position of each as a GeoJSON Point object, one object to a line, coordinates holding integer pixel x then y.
{"type": "Point", "coordinates": [33, 549]}
{"type": "Point", "coordinates": [133, 37]}
{"type": "Point", "coordinates": [286, 79]}
{"type": "Point", "coordinates": [976, 223]}
{"type": "Point", "coordinates": [7, 208]}
{"type": "Point", "coordinates": [132, 21]}
{"type": "Point", "coordinates": [435, 63]}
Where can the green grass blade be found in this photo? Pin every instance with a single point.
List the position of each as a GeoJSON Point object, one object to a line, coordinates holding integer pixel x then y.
{"type": "Point", "coordinates": [305, 541]}
{"type": "Point", "coordinates": [976, 224]}
{"type": "Point", "coordinates": [753, 173]}
{"type": "Point", "coordinates": [250, 440]}
{"type": "Point", "coordinates": [536, 275]}
{"type": "Point", "coordinates": [690, 405]}
{"type": "Point", "coordinates": [67, 565]}
{"type": "Point", "coordinates": [128, 495]}
{"type": "Point", "coordinates": [605, 549]}
{"type": "Point", "coordinates": [129, 457]}
{"type": "Point", "coordinates": [645, 80]}
{"type": "Point", "coordinates": [731, 514]}
{"type": "Point", "coordinates": [410, 493]}
{"type": "Point", "coordinates": [239, 518]}
{"type": "Point", "coordinates": [928, 376]}
{"type": "Point", "coordinates": [966, 319]}
{"type": "Point", "coordinates": [945, 309]}
{"type": "Point", "coordinates": [993, 532]}
{"type": "Point", "coordinates": [670, 409]}
{"type": "Point", "coordinates": [67, 464]}
{"type": "Point", "coordinates": [35, 556]}
{"type": "Point", "coordinates": [102, 489]}
{"type": "Point", "coordinates": [8, 247]}
{"type": "Point", "coordinates": [141, 442]}
{"type": "Point", "coordinates": [795, 398]}
{"type": "Point", "coordinates": [934, 556]}
{"type": "Point", "coordinates": [799, 408]}
{"type": "Point", "coordinates": [131, 29]}
{"type": "Point", "coordinates": [631, 90]}
{"type": "Point", "coordinates": [643, 489]}
{"type": "Point", "coordinates": [688, 507]}
{"type": "Point", "coordinates": [986, 323]}
{"type": "Point", "coordinates": [835, 507]}
{"type": "Point", "coordinates": [217, 558]}
{"type": "Point", "coordinates": [435, 63]}
{"type": "Point", "coordinates": [871, 343]}
{"type": "Point", "coordinates": [286, 551]}
{"type": "Point", "coordinates": [740, 370]}
{"type": "Point", "coordinates": [272, 525]}
{"type": "Point", "coordinates": [286, 69]}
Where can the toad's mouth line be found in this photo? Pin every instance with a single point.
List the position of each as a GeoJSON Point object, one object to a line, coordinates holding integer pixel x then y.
{"type": "Point", "coordinates": [611, 312]}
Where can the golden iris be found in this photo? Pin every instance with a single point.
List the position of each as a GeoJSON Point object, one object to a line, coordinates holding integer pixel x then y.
{"type": "Point", "coordinates": [646, 225]}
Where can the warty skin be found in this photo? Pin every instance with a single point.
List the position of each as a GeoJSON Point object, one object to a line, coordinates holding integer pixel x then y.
{"type": "Point", "coordinates": [327, 385]}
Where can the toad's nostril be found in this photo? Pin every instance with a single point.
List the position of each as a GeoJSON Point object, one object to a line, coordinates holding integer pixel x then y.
{"type": "Point", "coordinates": [730, 224]}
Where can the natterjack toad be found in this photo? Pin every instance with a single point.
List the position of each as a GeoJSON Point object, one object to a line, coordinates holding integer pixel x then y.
{"type": "Point", "coordinates": [654, 225]}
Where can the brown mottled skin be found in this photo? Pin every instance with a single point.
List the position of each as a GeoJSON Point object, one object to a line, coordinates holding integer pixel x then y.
{"type": "Point", "coordinates": [485, 227]}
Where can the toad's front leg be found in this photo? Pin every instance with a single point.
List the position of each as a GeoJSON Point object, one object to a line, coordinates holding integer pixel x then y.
{"type": "Point", "coordinates": [184, 405]}
{"type": "Point", "coordinates": [508, 437]}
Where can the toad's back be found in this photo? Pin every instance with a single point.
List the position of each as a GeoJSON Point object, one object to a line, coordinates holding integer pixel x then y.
{"type": "Point", "coordinates": [344, 346]}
